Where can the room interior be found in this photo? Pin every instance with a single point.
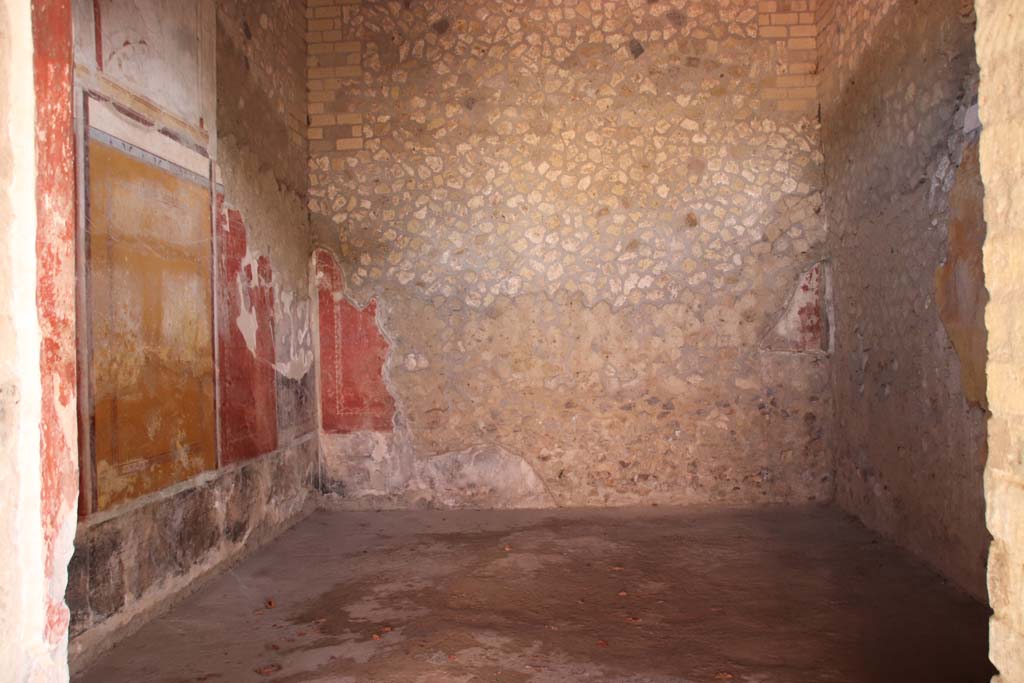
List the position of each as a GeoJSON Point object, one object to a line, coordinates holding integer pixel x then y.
{"type": "Point", "coordinates": [512, 340]}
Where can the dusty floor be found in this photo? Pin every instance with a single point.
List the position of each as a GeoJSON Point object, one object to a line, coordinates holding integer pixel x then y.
{"type": "Point", "coordinates": [772, 595]}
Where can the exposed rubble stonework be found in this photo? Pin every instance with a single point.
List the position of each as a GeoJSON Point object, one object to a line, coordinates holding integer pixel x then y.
{"type": "Point", "coordinates": [898, 83]}
{"type": "Point", "coordinates": [517, 254]}
{"type": "Point", "coordinates": [580, 221]}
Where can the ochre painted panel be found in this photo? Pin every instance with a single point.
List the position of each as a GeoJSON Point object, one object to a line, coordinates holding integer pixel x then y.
{"type": "Point", "coordinates": [960, 281]}
{"type": "Point", "coordinates": [151, 326]}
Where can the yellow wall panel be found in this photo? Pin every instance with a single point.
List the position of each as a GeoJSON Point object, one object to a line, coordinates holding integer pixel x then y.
{"type": "Point", "coordinates": [150, 311]}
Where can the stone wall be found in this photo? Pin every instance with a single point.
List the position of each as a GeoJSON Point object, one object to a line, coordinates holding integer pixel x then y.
{"type": "Point", "coordinates": [591, 232]}
{"type": "Point", "coordinates": [1001, 56]}
{"type": "Point", "coordinates": [262, 157]}
{"type": "Point", "coordinates": [135, 559]}
{"type": "Point", "coordinates": [905, 227]}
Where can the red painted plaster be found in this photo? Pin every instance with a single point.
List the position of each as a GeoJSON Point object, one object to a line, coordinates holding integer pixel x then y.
{"type": "Point", "coordinates": [352, 355]}
{"type": "Point", "coordinates": [248, 402]}
{"type": "Point", "coordinates": [55, 288]}
{"type": "Point", "coordinates": [812, 319]}
{"type": "Point", "coordinates": [98, 33]}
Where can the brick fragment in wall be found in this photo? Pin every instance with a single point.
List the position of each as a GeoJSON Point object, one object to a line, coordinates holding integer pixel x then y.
{"type": "Point", "coordinates": [353, 352]}
{"type": "Point", "coordinates": [791, 26]}
{"type": "Point", "coordinates": [845, 30]}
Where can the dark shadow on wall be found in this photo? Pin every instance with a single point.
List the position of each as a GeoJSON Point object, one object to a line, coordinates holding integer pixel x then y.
{"type": "Point", "coordinates": [908, 372]}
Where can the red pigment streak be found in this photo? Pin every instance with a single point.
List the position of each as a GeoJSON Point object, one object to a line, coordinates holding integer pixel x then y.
{"type": "Point", "coordinates": [98, 32]}
{"type": "Point", "coordinates": [55, 286]}
{"type": "Point", "coordinates": [248, 402]}
{"type": "Point", "coordinates": [352, 356]}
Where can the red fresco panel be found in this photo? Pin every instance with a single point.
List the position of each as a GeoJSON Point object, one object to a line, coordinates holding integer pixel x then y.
{"type": "Point", "coordinates": [352, 355]}
{"type": "Point", "coordinates": [248, 403]}
{"type": "Point", "coordinates": [55, 292]}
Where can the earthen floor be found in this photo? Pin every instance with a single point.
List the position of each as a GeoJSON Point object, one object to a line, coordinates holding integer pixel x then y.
{"type": "Point", "coordinates": [748, 595]}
